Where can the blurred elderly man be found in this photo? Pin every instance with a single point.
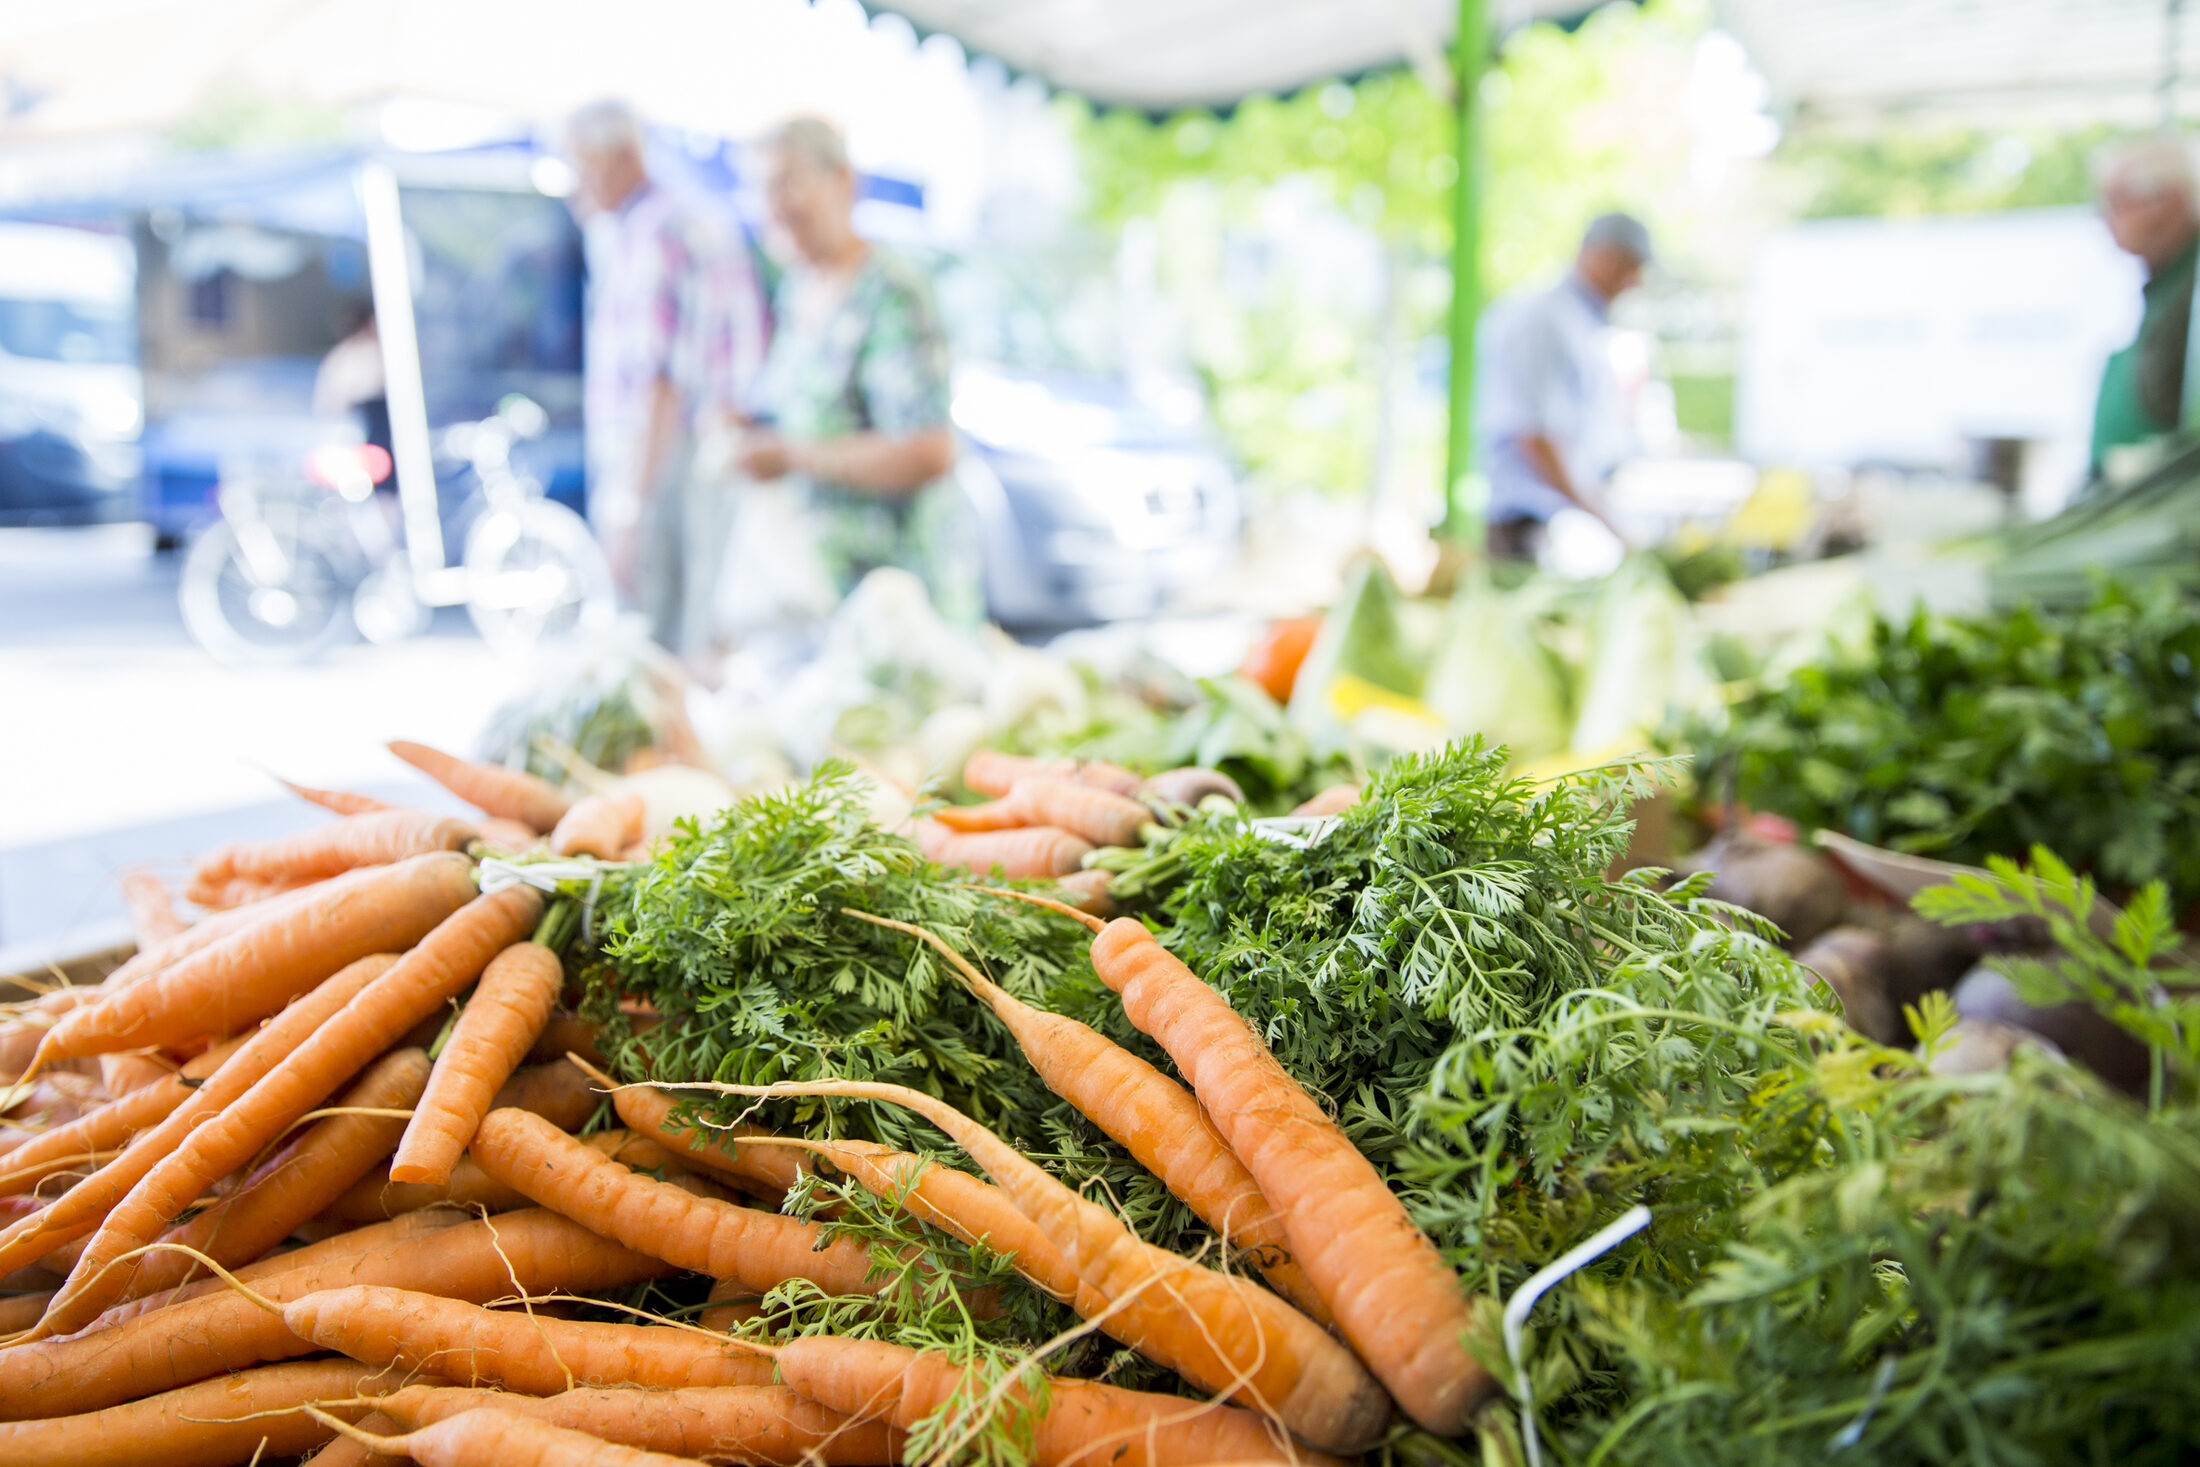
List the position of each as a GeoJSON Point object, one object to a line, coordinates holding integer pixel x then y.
{"type": "Point", "coordinates": [1549, 417]}
{"type": "Point", "coordinates": [675, 337]}
{"type": "Point", "coordinates": [2147, 200]}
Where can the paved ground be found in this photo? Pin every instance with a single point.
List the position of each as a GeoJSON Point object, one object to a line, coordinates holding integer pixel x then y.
{"type": "Point", "coordinates": [121, 742]}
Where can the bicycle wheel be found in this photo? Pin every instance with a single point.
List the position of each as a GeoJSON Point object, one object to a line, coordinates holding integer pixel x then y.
{"type": "Point", "coordinates": [288, 607]}
{"type": "Point", "coordinates": [534, 572]}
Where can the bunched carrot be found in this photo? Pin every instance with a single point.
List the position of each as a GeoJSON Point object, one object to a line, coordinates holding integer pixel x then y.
{"type": "Point", "coordinates": [752, 1423]}
{"type": "Point", "coordinates": [257, 969]}
{"type": "Point", "coordinates": [1394, 1297]}
{"type": "Point", "coordinates": [1084, 1422]}
{"type": "Point", "coordinates": [340, 802]}
{"type": "Point", "coordinates": [649, 1111]}
{"type": "Point", "coordinates": [599, 825]}
{"type": "Point", "coordinates": [489, 1258]}
{"type": "Point", "coordinates": [374, 1197]}
{"type": "Point", "coordinates": [310, 1172]}
{"type": "Point", "coordinates": [373, 839]}
{"type": "Point", "coordinates": [510, 793]}
{"type": "Point", "coordinates": [1151, 1116]}
{"type": "Point", "coordinates": [1224, 1334]}
{"type": "Point", "coordinates": [79, 1211]}
{"type": "Point", "coordinates": [242, 1417]}
{"type": "Point", "coordinates": [109, 1126]}
{"type": "Point", "coordinates": [539, 1356]}
{"type": "Point", "coordinates": [446, 960]}
{"type": "Point", "coordinates": [500, 1021]}
{"type": "Point", "coordinates": [121, 1074]}
{"type": "Point", "coordinates": [559, 1091]}
{"type": "Point", "coordinates": [1089, 891]}
{"type": "Point", "coordinates": [502, 1438]}
{"type": "Point", "coordinates": [991, 772]}
{"type": "Point", "coordinates": [510, 835]}
{"type": "Point", "coordinates": [152, 910]}
{"type": "Point", "coordinates": [1038, 851]}
{"type": "Point", "coordinates": [1104, 818]}
{"type": "Point", "coordinates": [726, 1241]}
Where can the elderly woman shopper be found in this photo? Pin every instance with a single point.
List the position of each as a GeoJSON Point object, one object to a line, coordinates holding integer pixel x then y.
{"type": "Point", "coordinates": [853, 402]}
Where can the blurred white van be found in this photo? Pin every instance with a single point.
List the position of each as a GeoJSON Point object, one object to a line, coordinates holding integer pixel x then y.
{"type": "Point", "coordinates": [71, 396]}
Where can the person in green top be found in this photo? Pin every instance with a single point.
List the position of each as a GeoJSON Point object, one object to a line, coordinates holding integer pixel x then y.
{"type": "Point", "coordinates": [2147, 201]}
{"type": "Point", "coordinates": [853, 399]}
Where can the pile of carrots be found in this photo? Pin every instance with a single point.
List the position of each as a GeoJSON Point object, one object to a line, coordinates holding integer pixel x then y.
{"type": "Point", "coordinates": [264, 1195]}
{"type": "Point", "coordinates": [1047, 817]}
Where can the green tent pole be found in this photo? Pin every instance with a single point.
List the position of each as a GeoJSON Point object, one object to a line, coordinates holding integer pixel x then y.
{"type": "Point", "coordinates": [1466, 270]}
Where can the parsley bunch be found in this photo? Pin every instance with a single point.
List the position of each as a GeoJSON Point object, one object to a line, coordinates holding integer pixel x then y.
{"type": "Point", "coordinates": [1964, 738]}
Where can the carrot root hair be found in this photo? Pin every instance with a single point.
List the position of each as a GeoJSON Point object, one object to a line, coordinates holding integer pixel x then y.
{"type": "Point", "coordinates": [1048, 902]}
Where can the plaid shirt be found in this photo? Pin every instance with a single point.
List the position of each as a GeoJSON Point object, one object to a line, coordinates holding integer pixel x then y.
{"type": "Point", "coordinates": [674, 296]}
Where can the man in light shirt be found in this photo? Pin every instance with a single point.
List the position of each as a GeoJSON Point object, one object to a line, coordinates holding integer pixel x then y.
{"type": "Point", "coordinates": [1549, 418]}
{"type": "Point", "coordinates": [675, 338]}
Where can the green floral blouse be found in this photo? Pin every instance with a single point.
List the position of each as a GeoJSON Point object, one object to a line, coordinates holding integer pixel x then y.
{"type": "Point", "coordinates": [878, 362]}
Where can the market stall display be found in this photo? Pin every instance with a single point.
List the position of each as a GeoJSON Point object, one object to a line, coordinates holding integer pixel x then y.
{"type": "Point", "coordinates": [862, 1155]}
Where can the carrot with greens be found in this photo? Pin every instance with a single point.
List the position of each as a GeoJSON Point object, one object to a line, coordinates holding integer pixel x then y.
{"type": "Point", "coordinates": [1151, 1116]}
{"type": "Point", "coordinates": [722, 1239]}
{"type": "Point", "coordinates": [339, 802]}
{"type": "Point", "coordinates": [446, 960]}
{"type": "Point", "coordinates": [1037, 851]}
{"type": "Point", "coordinates": [650, 1112]}
{"type": "Point", "coordinates": [1224, 1334]}
{"type": "Point", "coordinates": [599, 825]}
{"type": "Point", "coordinates": [376, 838]}
{"type": "Point", "coordinates": [991, 772]}
{"type": "Point", "coordinates": [249, 1416]}
{"type": "Point", "coordinates": [1394, 1297]}
{"type": "Point", "coordinates": [510, 793]}
{"type": "Point", "coordinates": [747, 1423]}
{"type": "Point", "coordinates": [486, 1437]}
{"type": "Point", "coordinates": [499, 1022]}
{"type": "Point", "coordinates": [311, 1171]}
{"type": "Point", "coordinates": [112, 1124]}
{"type": "Point", "coordinates": [524, 1252]}
{"type": "Point", "coordinates": [375, 1197]}
{"type": "Point", "coordinates": [1084, 1421]}
{"type": "Point", "coordinates": [465, 1343]}
{"type": "Point", "coordinates": [256, 970]}
{"type": "Point", "coordinates": [1104, 818]}
{"type": "Point", "coordinates": [80, 1210]}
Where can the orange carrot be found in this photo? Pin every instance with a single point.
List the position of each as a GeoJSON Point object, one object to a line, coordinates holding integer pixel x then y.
{"type": "Point", "coordinates": [446, 960]}
{"type": "Point", "coordinates": [251, 1415]}
{"type": "Point", "coordinates": [599, 825]}
{"type": "Point", "coordinates": [79, 1211]}
{"type": "Point", "coordinates": [511, 793]}
{"type": "Point", "coordinates": [1335, 800]}
{"type": "Point", "coordinates": [1018, 855]}
{"type": "Point", "coordinates": [748, 1423]}
{"type": "Point", "coordinates": [649, 1112]}
{"type": "Point", "coordinates": [1089, 891]}
{"type": "Point", "coordinates": [1151, 1116]}
{"type": "Point", "coordinates": [489, 1258]}
{"type": "Point", "coordinates": [373, 839]}
{"type": "Point", "coordinates": [152, 911]}
{"type": "Point", "coordinates": [112, 1124]}
{"type": "Point", "coordinates": [471, 1345]}
{"type": "Point", "coordinates": [486, 1437]}
{"type": "Point", "coordinates": [1395, 1299]}
{"type": "Point", "coordinates": [120, 1074]}
{"type": "Point", "coordinates": [1099, 816]}
{"type": "Point", "coordinates": [21, 1311]}
{"type": "Point", "coordinates": [722, 1239]}
{"type": "Point", "coordinates": [991, 772]}
{"type": "Point", "coordinates": [257, 969]}
{"type": "Point", "coordinates": [372, 1238]}
{"type": "Point", "coordinates": [509, 835]}
{"type": "Point", "coordinates": [340, 802]}
{"type": "Point", "coordinates": [499, 1022]}
{"type": "Point", "coordinates": [1085, 1422]}
{"type": "Point", "coordinates": [1223, 1333]}
{"type": "Point", "coordinates": [374, 1197]}
{"type": "Point", "coordinates": [310, 1172]}
{"type": "Point", "coordinates": [559, 1092]}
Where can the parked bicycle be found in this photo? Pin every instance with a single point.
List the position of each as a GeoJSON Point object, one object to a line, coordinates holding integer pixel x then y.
{"type": "Point", "coordinates": [296, 549]}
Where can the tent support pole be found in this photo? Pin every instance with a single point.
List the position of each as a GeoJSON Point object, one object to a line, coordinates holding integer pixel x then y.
{"type": "Point", "coordinates": [1472, 47]}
